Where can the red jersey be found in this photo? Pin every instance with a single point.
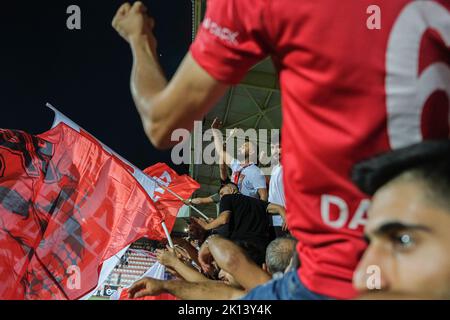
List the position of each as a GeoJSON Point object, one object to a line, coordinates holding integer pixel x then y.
{"type": "Point", "coordinates": [357, 78]}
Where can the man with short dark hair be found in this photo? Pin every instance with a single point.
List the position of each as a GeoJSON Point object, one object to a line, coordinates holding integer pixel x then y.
{"type": "Point", "coordinates": [247, 218]}
{"type": "Point", "coordinates": [408, 223]}
{"type": "Point", "coordinates": [244, 172]}
{"type": "Point", "coordinates": [373, 87]}
{"type": "Point", "coordinates": [276, 188]}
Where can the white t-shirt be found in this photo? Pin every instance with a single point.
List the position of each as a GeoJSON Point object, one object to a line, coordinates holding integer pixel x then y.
{"type": "Point", "coordinates": [276, 192]}
{"type": "Point", "coordinates": [249, 178]}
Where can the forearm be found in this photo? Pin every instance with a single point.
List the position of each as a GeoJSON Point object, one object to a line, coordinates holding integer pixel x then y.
{"type": "Point", "coordinates": [223, 169]}
{"type": "Point", "coordinates": [191, 250]}
{"type": "Point", "coordinates": [263, 195]}
{"type": "Point", "coordinates": [218, 145]}
{"type": "Point", "coordinates": [215, 223]}
{"type": "Point", "coordinates": [206, 200]}
{"type": "Point", "coordinates": [147, 78]}
{"type": "Point", "coordinates": [276, 209]}
{"type": "Point", "coordinates": [231, 259]}
{"type": "Point", "coordinates": [188, 273]}
{"type": "Point", "coordinates": [208, 290]}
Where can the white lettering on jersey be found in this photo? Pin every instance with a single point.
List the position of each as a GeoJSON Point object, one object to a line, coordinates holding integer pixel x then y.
{"type": "Point", "coordinates": [223, 33]}
{"type": "Point", "coordinates": [358, 219]}
{"type": "Point", "coordinates": [406, 89]}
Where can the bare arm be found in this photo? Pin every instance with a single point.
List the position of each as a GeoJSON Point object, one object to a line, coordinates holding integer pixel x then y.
{"type": "Point", "coordinates": [223, 171]}
{"type": "Point", "coordinates": [276, 209]}
{"type": "Point", "coordinates": [163, 106]}
{"type": "Point", "coordinates": [263, 195]}
{"type": "Point", "coordinates": [208, 290]}
{"type": "Point", "coordinates": [192, 252]}
{"type": "Point", "coordinates": [233, 260]}
{"type": "Point", "coordinates": [205, 200]}
{"type": "Point", "coordinates": [188, 273]}
{"type": "Point", "coordinates": [222, 219]}
{"type": "Point", "coordinates": [224, 156]}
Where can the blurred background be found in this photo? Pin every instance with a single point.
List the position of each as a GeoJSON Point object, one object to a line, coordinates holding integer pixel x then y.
{"type": "Point", "coordinates": [83, 73]}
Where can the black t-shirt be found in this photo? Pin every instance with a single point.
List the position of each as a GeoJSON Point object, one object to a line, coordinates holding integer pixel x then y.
{"type": "Point", "coordinates": [249, 220]}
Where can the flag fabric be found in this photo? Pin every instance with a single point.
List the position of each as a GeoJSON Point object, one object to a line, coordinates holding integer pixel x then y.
{"type": "Point", "coordinates": [182, 186]}
{"type": "Point", "coordinates": [156, 271]}
{"type": "Point", "coordinates": [68, 203]}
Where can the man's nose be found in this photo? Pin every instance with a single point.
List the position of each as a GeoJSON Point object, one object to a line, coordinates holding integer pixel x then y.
{"type": "Point", "coordinates": [372, 272]}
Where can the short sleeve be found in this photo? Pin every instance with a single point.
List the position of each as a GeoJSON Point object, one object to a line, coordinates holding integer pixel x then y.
{"type": "Point", "coordinates": [215, 197]}
{"type": "Point", "coordinates": [258, 179]}
{"type": "Point", "coordinates": [234, 165]}
{"type": "Point", "coordinates": [226, 203]}
{"type": "Point", "coordinates": [231, 39]}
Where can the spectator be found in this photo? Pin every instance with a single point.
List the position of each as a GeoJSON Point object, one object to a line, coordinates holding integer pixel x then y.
{"type": "Point", "coordinates": [175, 265]}
{"type": "Point", "coordinates": [408, 222]}
{"type": "Point", "coordinates": [246, 174]}
{"type": "Point", "coordinates": [239, 272]}
{"type": "Point", "coordinates": [215, 198]}
{"type": "Point", "coordinates": [276, 189]}
{"type": "Point", "coordinates": [342, 102]}
{"type": "Point", "coordinates": [279, 254]}
{"type": "Point", "coordinates": [246, 218]}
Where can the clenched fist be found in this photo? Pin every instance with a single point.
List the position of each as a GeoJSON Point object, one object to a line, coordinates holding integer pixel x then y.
{"type": "Point", "coordinates": [132, 22]}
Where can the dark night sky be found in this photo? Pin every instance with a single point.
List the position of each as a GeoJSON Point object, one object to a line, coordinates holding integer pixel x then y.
{"type": "Point", "coordinates": [85, 74]}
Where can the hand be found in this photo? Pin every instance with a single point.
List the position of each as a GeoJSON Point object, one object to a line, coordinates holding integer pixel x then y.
{"type": "Point", "coordinates": [217, 124]}
{"type": "Point", "coordinates": [182, 253]}
{"type": "Point", "coordinates": [205, 258]}
{"type": "Point", "coordinates": [146, 287]}
{"type": "Point", "coordinates": [132, 21]}
{"type": "Point", "coordinates": [193, 201]}
{"type": "Point", "coordinates": [196, 201]}
{"type": "Point", "coordinates": [166, 258]}
{"type": "Point", "coordinates": [202, 223]}
{"type": "Point", "coordinates": [187, 201]}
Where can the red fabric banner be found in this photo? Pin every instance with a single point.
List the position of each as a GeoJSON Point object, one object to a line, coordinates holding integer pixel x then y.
{"type": "Point", "coordinates": [67, 204]}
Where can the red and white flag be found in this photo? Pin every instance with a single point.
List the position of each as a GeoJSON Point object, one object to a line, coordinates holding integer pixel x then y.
{"type": "Point", "coordinates": [68, 203]}
{"type": "Point", "coordinates": [156, 271]}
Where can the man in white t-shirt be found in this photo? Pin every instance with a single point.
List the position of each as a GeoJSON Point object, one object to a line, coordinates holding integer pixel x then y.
{"type": "Point", "coordinates": [245, 174]}
{"type": "Point", "coordinates": [276, 189]}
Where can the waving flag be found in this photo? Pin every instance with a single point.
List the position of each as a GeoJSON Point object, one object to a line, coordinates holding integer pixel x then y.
{"type": "Point", "coordinates": [68, 203]}
{"type": "Point", "coordinates": [156, 271]}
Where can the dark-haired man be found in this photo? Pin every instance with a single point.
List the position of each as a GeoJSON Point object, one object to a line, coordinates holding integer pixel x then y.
{"type": "Point", "coordinates": [247, 218]}
{"type": "Point", "coordinates": [244, 171]}
{"type": "Point", "coordinates": [408, 223]}
{"type": "Point", "coordinates": [353, 85]}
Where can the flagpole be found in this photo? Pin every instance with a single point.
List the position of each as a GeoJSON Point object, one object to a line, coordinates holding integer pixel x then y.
{"type": "Point", "coordinates": [179, 198]}
{"type": "Point", "coordinates": [166, 231]}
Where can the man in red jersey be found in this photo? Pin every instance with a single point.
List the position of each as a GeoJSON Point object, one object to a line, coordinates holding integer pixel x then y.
{"type": "Point", "coordinates": [357, 79]}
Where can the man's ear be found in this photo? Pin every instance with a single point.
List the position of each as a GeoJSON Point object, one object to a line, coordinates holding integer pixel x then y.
{"type": "Point", "coordinates": [264, 267]}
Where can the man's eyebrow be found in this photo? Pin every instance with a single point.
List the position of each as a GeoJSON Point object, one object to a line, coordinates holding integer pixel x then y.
{"type": "Point", "coordinates": [395, 226]}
